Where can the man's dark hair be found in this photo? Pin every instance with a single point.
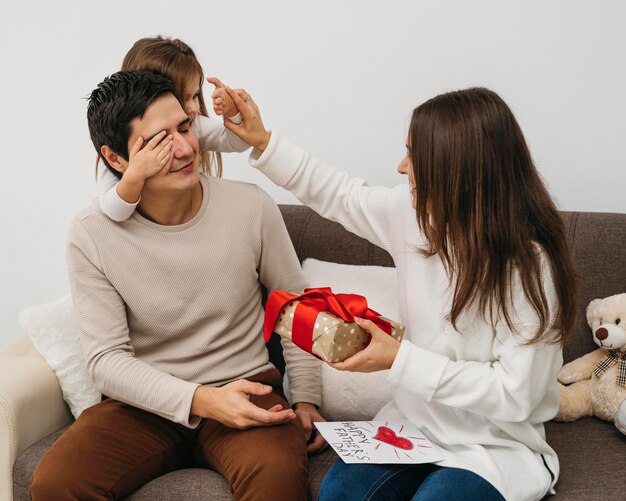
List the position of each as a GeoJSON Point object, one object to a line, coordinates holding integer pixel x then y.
{"type": "Point", "coordinates": [116, 101]}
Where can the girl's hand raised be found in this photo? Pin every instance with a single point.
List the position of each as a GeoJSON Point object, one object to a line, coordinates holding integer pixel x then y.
{"type": "Point", "coordinates": [379, 354]}
{"type": "Point", "coordinates": [222, 103]}
{"type": "Point", "coordinates": [251, 130]}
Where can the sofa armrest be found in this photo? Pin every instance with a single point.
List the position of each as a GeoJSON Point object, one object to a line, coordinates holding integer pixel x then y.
{"type": "Point", "coordinates": [31, 405]}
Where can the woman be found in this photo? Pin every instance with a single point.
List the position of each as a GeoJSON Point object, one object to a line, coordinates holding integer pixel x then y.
{"type": "Point", "coordinates": [487, 292]}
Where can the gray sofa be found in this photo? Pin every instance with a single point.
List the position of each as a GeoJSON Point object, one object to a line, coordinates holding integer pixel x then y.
{"type": "Point", "coordinates": [592, 452]}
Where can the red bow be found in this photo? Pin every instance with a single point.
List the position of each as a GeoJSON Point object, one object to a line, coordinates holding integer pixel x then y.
{"type": "Point", "coordinates": [311, 304]}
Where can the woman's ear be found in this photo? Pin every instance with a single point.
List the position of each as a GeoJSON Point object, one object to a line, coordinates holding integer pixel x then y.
{"type": "Point", "coordinates": [119, 163]}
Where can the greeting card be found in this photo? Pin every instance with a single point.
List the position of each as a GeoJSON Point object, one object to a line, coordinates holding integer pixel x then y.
{"type": "Point", "coordinates": [382, 442]}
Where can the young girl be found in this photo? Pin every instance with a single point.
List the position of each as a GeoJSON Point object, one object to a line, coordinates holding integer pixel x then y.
{"type": "Point", "coordinates": [487, 292]}
{"type": "Point", "coordinates": [174, 59]}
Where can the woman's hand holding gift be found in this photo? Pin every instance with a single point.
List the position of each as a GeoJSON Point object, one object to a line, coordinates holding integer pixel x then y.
{"type": "Point", "coordinates": [379, 354]}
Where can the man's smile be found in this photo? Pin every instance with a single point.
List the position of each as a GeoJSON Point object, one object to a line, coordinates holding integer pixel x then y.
{"type": "Point", "coordinates": [186, 167]}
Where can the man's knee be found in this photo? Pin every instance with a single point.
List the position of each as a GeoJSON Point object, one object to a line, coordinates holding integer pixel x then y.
{"type": "Point", "coordinates": [53, 480]}
{"type": "Point", "coordinates": [279, 463]}
{"type": "Point", "coordinates": [272, 474]}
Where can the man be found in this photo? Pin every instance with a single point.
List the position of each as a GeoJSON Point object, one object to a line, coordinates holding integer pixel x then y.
{"type": "Point", "coordinates": [169, 308]}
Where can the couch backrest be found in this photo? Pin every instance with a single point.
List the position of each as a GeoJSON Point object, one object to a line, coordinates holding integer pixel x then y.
{"type": "Point", "coordinates": [597, 240]}
{"type": "Point", "coordinates": [598, 243]}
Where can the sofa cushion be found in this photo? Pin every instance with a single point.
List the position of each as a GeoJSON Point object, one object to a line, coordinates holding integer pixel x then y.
{"type": "Point", "coordinates": [53, 329]}
{"type": "Point", "coordinates": [349, 395]}
{"type": "Point", "coordinates": [598, 244]}
{"type": "Point", "coordinates": [190, 484]}
{"type": "Point", "coordinates": [591, 452]}
{"type": "Point", "coordinates": [26, 463]}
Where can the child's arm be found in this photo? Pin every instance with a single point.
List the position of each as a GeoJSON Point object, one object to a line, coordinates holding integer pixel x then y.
{"type": "Point", "coordinates": [118, 200]}
{"type": "Point", "coordinates": [211, 132]}
{"type": "Point", "coordinates": [213, 136]}
{"type": "Point", "coordinates": [110, 202]}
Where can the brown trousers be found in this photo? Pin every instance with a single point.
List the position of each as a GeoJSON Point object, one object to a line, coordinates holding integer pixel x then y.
{"type": "Point", "coordinates": [113, 449]}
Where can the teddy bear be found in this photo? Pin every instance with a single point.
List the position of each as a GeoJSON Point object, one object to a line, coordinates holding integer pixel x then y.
{"type": "Point", "coordinates": [597, 381]}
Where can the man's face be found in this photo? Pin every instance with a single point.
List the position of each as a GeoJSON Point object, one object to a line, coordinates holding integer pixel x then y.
{"type": "Point", "coordinates": [166, 114]}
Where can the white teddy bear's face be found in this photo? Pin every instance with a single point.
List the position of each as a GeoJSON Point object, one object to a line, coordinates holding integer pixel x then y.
{"type": "Point", "coordinates": [607, 319]}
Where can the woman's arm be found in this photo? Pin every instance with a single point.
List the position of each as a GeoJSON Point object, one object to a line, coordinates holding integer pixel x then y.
{"type": "Point", "coordinates": [506, 378]}
{"type": "Point", "coordinates": [364, 210]}
{"type": "Point", "coordinates": [370, 212]}
{"type": "Point", "coordinates": [509, 388]}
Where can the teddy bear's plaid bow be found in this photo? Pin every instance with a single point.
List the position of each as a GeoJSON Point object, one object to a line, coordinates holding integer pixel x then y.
{"type": "Point", "coordinates": [614, 357]}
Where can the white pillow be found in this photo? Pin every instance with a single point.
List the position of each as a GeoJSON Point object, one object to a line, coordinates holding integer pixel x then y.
{"type": "Point", "coordinates": [353, 395]}
{"type": "Point", "coordinates": [53, 329]}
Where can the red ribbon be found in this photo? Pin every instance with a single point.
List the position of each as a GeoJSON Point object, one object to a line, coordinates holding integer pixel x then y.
{"type": "Point", "coordinates": [310, 305]}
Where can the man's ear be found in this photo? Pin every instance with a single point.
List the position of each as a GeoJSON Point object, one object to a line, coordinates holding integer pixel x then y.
{"type": "Point", "coordinates": [119, 163]}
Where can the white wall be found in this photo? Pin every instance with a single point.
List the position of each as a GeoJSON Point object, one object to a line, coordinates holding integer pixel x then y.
{"type": "Point", "coordinates": [341, 78]}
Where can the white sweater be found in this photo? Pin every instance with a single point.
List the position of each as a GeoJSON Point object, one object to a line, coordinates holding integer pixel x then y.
{"type": "Point", "coordinates": [482, 399]}
{"type": "Point", "coordinates": [211, 134]}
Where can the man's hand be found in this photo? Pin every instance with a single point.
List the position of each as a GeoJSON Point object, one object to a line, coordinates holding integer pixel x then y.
{"type": "Point", "coordinates": [144, 161]}
{"type": "Point", "coordinates": [222, 103]}
{"type": "Point", "coordinates": [379, 354]}
{"type": "Point", "coordinates": [231, 406]}
{"type": "Point", "coordinates": [308, 415]}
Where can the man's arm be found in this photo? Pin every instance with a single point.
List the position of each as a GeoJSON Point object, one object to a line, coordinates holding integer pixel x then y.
{"type": "Point", "coordinates": [105, 339]}
{"type": "Point", "coordinates": [279, 269]}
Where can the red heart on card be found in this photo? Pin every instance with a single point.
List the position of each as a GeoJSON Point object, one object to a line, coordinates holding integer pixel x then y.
{"type": "Point", "coordinates": [389, 436]}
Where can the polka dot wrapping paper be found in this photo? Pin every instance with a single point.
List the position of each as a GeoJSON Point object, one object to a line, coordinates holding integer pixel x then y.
{"type": "Point", "coordinates": [333, 339]}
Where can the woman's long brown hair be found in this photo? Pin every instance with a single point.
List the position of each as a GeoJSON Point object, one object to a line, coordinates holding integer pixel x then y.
{"type": "Point", "coordinates": [174, 59]}
{"type": "Point", "coordinates": [485, 211]}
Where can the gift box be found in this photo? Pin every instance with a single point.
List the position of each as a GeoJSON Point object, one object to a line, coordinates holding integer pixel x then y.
{"type": "Point", "coordinates": [322, 323]}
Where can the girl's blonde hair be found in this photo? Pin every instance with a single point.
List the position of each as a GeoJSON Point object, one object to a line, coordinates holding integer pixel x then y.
{"type": "Point", "coordinates": [174, 59]}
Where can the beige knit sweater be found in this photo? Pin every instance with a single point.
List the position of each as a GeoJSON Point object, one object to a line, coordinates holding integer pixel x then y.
{"type": "Point", "coordinates": [163, 309]}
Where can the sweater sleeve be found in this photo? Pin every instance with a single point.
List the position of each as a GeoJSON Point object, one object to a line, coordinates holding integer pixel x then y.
{"type": "Point", "coordinates": [518, 382]}
{"type": "Point", "coordinates": [212, 135]}
{"type": "Point", "coordinates": [362, 209]}
{"type": "Point", "coordinates": [105, 339]}
{"type": "Point", "coordinates": [279, 269]}
{"type": "Point", "coordinates": [111, 203]}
